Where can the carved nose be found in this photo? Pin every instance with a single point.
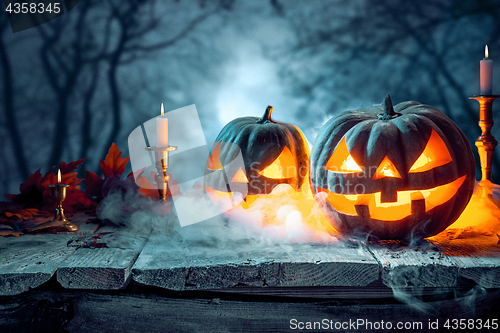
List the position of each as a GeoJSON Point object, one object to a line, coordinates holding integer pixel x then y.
{"type": "Point", "coordinates": [386, 169]}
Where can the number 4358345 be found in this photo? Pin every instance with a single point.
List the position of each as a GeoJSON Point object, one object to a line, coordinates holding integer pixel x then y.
{"type": "Point", "coordinates": [471, 324]}
{"type": "Point", "coordinates": [33, 8]}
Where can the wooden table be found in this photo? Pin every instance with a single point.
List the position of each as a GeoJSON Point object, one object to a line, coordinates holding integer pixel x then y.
{"type": "Point", "coordinates": [142, 281]}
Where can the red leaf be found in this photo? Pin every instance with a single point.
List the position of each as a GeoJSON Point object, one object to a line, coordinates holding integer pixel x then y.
{"type": "Point", "coordinates": [32, 192]}
{"type": "Point", "coordinates": [33, 182]}
{"type": "Point", "coordinates": [114, 164]}
{"type": "Point", "coordinates": [67, 168]}
{"type": "Point", "coordinates": [67, 177]}
{"type": "Point", "coordinates": [78, 201]}
{"type": "Point", "coordinates": [94, 184]}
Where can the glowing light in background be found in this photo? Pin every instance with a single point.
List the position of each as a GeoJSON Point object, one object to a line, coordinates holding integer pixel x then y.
{"type": "Point", "coordinates": [250, 85]}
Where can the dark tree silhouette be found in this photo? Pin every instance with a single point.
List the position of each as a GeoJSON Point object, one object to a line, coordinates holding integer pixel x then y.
{"type": "Point", "coordinates": [81, 57]}
{"type": "Point", "coordinates": [421, 50]}
{"type": "Point", "coordinates": [8, 103]}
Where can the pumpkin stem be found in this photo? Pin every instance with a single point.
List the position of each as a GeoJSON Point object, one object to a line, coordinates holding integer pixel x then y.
{"type": "Point", "coordinates": [267, 116]}
{"type": "Point", "coordinates": [389, 112]}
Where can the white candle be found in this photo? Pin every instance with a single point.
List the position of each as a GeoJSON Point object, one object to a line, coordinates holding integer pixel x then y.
{"type": "Point", "coordinates": [486, 76]}
{"type": "Point", "coordinates": [161, 130]}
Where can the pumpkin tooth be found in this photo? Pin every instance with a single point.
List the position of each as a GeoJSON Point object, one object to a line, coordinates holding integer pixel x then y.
{"type": "Point", "coordinates": [418, 206]}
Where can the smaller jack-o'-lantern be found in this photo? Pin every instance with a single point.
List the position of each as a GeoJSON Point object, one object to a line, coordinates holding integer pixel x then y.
{"type": "Point", "coordinates": [392, 172]}
{"type": "Point", "coordinates": [273, 153]}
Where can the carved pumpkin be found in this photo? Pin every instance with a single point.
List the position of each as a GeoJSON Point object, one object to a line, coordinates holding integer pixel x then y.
{"type": "Point", "coordinates": [392, 172]}
{"type": "Point", "coordinates": [273, 153]}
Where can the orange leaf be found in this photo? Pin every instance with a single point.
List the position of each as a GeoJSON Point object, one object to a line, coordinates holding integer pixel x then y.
{"type": "Point", "coordinates": [113, 164]}
{"type": "Point", "coordinates": [25, 214]}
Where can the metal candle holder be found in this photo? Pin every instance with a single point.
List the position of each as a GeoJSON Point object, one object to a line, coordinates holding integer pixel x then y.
{"type": "Point", "coordinates": [161, 163]}
{"type": "Point", "coordinates": [59, 220]}
{"type": "Point", "coordinates": [486, 143]}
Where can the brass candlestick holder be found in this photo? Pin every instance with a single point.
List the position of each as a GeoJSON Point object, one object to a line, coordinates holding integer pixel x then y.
{"type": "Point", "coordinates": [161, 163]}
{"type": "Point", "coordinates": [486, 143]}
{"type": "Point", "coordinates": [59, 220]}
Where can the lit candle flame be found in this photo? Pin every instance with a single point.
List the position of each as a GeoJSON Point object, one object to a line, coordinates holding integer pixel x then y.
{"type": "Point", "coordinates": [162, 110]}
{"type": "Point", "coordinates": [59, 176]}
{"type": "Point", "coordinates": [485, 52]}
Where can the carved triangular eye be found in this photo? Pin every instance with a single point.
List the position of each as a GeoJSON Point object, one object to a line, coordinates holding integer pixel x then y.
{"type": "Point", "coordinates": [435, 154]}
{"type": "Point", "coordinates": [342, 161]}
{"type": "Point", "coordinates": [240, 177]}
{"type": "Point", "coordinates": [282, 167]}
{"type": "Point", "coordinates": [386, 169]}
{"type": "Point", "coordinates": [214, 159]}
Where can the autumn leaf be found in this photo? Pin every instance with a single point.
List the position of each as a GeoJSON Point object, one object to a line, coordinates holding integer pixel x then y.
{"type": "Point", "coordinates": [92, 240]}
{"type": "Point", "coordinates": [149, 189]}
{"type": "Point", "coordinates": [78, 201]}
{"type": "Point", "coordinates": [67, 177]}
{"type": "Point", "coordinates": [112, 166]}
{"type": "Point", "coordinates": [31, 191]}
{"type": "Point", "coordinates": [35, 192]}
{"type": "Point", "coordinates": [13, 216]}
{"type": "Point", "coordinates": [24, 214]}
{"type": "Point", "coordinates": [67, 168]}
{"type": "Point", "coordinates": [94, 185]}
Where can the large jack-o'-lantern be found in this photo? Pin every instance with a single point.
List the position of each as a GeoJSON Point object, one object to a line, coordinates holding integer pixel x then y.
{"type": "Point", "coordinates": [273, 153]}
{"type": "Point", "coordinates": [392, 172]}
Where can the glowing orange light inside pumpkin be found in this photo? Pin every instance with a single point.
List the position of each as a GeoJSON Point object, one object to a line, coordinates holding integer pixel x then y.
{"type": "Point", "coordinates": [296, 206]}
{"type": "Point", "coordinates": [435, 154]}
{"type": "Point", "coordinates": [282, 167]}
{"type": "Point", "coordinates": [386, 169]}
{"type": "Point", "coordinates": [240, 177]}
{"type": "Point", "coordinates": [59, 176]}
{"type": "Point", "coordinates": [218, 195]}
{"type": "Point", "coordinates": [214, 159]}
{"type": "Point", "coordinates": [480, 218]}
{"type": "Point", "coordinates": [341, 160]}
{"type": "Point", "coordinates": [394, 211]}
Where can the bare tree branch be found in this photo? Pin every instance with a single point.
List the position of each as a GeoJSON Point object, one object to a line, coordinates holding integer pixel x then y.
{"type": "Point", "coordinates": [8, 103]}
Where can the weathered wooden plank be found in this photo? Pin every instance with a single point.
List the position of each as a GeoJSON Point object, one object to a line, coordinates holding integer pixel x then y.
{"type": "Point", "coordinates": [28, 261]}
{"type": "Point", "coordinates": [477, 258]}
{"type": "Point", "coordinates": [375, 290]}
{"type": "Point", "coordinates": [147, 311]}
{"type": "Point", "coordinates": [176, 267]}
{"type": "Point", "coordinates": [106, 267]}
{"type": "Point", "coordinates": [405, 267]}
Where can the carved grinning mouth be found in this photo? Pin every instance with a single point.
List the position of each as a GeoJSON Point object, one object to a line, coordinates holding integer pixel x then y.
{"type": "Point", "coordinates": [408, 202]}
